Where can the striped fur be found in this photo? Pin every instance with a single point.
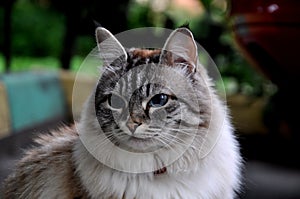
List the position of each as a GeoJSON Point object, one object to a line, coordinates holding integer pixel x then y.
{"type": "Point", "coordinates": [69, 163]}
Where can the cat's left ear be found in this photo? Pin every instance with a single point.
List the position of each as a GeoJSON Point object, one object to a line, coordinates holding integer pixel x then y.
{"type": "Point", "coordinates": [109, 47]}
{"type": "Point", "coordinates": [180, 48]}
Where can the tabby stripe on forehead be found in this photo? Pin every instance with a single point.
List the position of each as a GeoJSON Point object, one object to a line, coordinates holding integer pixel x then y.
{"type": "Point", "coordinates": [126, 82]}
{"type": "Point", "coordinates": [178, 121]}
{"type": "Point", "coordinates": [120, 85]}
{"type": "Point", "coordinates": [134, 81]}
{"type": "Point", "coordinates": [148, 90]}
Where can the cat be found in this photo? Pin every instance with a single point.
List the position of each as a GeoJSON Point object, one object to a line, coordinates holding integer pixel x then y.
{"type": "Point", "coordinates": [153, 128]}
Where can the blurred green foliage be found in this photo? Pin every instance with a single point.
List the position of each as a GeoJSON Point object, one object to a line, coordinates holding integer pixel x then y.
{"type": "Point", "coordinates": [212, 30]}
{"type": "Point", "coordinates": [39, 30]}
{"type": "Point", "coordinates": [38, 33]}
{"type": "Point", "coordinates": [37, 38]}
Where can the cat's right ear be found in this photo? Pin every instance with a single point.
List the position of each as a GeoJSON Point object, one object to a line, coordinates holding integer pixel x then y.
{"type": "Point", "coordinates": [109, 47]}
{"type": "Point", "coordinates": [180, 48]}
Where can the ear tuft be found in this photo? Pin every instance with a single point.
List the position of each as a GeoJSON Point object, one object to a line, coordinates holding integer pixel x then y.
{"type": "Point", "coordinates": [185, 25]}
{"type": "Point", "coordinates": [97, 24]}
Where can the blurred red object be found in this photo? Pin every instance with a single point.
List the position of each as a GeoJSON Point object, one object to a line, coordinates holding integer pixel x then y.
{"type": "Point", "coordinates": [268, 34]}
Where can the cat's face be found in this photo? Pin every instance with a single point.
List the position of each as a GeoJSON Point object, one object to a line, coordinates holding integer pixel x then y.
{"type": "Point", "coordinates": [145, 99]}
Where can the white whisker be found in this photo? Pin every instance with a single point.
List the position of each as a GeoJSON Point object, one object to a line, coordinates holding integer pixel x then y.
{"type": "Point", "coordinates": [177, 140]}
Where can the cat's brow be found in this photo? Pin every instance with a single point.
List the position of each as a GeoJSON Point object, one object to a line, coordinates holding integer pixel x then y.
{"type": "Point", "coordinates": [139, 56]}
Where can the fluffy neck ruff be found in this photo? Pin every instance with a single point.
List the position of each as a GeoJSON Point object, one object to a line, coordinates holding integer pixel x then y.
{"type": "Point", "coordinates": [215, 175]}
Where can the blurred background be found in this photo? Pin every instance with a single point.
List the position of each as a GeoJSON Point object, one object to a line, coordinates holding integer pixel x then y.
{"type": "Point", "coordinates": [254, 44]}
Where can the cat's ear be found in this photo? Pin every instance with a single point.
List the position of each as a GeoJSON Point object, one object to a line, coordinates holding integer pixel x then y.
{"type": "Point", "coordinates": [180, 48]}
{"type": "Point", "coordinates": [109, 47]}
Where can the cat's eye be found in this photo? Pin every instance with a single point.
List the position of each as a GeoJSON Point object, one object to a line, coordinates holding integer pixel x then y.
{"type": "Point", "coordinates": [158, 100]}
{"type": "Point", "coordinates": [116, 102]}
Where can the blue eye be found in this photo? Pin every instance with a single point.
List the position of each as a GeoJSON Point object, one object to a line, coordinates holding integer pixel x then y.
{"type": "Point", "coordinates": [158, 100]}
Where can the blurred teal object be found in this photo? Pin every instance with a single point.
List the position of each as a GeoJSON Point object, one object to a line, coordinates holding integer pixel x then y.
{"type": "Point", "coordinates": [34, 98]}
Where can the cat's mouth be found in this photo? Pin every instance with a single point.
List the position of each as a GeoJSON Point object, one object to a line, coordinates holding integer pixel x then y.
{"type": "Point", "coordinates": [141, 139]}
{"type": "Point", "coordinates": [140, 143]}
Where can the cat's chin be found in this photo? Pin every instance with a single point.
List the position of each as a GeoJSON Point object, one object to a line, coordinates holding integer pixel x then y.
{"type": "Point", "coordinates": [139, 144]}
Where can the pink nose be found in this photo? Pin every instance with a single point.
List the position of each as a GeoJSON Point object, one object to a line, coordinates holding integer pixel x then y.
{"type": "Point", "coordinates": [132, 125]}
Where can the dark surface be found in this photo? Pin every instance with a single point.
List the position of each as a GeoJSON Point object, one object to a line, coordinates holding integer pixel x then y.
{"type": "Point", "coordinates": [257, 26]}
{"type": "Point", "coordinates": [79, 19]}
{"type": "Point", "coordinates": [272, 169]}
{"type": "Point", "coordinates": [268, 181]}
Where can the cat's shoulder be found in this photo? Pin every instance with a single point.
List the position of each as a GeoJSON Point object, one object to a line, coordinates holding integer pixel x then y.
{"type": "Point", "coordinates": [63, 136]}
{"type": "Point", "coordinates": [47, 168]}
{"type": "Point", "coordinates": [57, 143]}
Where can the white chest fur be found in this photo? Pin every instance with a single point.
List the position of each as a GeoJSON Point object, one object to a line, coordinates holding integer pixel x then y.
{"type": "Point", "coordinates": [215, 176]}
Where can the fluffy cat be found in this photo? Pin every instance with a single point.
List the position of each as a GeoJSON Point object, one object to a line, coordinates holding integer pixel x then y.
{"type": "Point", "coordinates": [152, 129]}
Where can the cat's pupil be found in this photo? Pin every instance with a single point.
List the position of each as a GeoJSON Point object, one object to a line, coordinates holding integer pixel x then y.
{"type": "Point", "coordinates": [158, 100]}
{"type": "Point", "coordinates": [116, 102]}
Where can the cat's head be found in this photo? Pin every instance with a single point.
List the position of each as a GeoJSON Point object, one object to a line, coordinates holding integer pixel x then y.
{"type": "Point", "coordinates": [148, 99]}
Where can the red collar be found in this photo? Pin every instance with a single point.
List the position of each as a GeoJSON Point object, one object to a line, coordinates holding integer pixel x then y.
{"type": "Point", "coordinates": [160, 171]}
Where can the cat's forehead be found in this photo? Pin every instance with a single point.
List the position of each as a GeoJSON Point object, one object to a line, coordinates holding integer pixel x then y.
{"type": "Point", "coordinates": [139, 56]}
{"type": "Point", "coordinates": [144, 53]}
